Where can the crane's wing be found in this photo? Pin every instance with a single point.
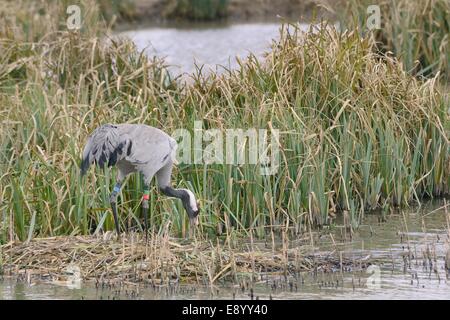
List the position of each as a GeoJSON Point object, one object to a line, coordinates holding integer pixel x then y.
{"type": "Point", "coordinates": [105, 146]}
{"type": "Point", "coordinates": [149, 145]}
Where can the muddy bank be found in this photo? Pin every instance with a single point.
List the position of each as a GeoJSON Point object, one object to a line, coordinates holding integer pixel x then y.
{"type": "Point", "coordinates": [268, 9]}
{"type": "Point", "coordinates": [160, 11]}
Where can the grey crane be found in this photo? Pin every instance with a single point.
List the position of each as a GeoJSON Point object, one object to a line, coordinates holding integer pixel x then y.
{"type": "Point", "coordinates": [137, 148]}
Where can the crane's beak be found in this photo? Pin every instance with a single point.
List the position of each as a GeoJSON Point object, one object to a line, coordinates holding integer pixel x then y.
{"type": "Point", "coordinates": [194, 221]}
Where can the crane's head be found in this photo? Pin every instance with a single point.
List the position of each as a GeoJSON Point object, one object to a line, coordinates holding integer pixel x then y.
{"type": "Point", "coordinates": [192, 207]}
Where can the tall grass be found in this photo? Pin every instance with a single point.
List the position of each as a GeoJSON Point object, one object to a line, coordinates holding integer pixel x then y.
{"type": "Point", "coordinates": [357, 133]}
{"type": "Point", "coordinates": [418, 32]}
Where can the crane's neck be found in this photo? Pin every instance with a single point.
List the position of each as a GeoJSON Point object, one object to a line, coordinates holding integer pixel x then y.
{"type": "Point", "coordinates": [187, 196]}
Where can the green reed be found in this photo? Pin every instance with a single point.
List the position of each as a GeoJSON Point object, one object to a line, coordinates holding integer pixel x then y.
{"type": "Point", "coordinates": [415, 31]}
{"type": "Point", "coordinates": [357, 133]}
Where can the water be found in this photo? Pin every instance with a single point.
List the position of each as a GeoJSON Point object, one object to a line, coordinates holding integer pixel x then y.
{"type": "Point", "coordinates": [389, 244]}
{"type": "Point", "coordinates": [213, 45]}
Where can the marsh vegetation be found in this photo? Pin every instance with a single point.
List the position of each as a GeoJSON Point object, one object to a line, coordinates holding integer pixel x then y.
{"type": "Point", "coordinates": [361, 129]}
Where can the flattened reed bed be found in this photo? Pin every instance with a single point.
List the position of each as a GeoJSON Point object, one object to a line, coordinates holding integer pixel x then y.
{"type": "Point", "coordinates": [160, 260]}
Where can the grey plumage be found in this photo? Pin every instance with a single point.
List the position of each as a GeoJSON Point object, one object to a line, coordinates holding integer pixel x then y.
{"type": "Point", "coordinates": [129, 145]}
{"type": "Point", "coordinates": [137, 148]}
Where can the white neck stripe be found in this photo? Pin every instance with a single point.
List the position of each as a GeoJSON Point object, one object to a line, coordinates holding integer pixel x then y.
{"type": "Point", "coordinates": [192, 201]}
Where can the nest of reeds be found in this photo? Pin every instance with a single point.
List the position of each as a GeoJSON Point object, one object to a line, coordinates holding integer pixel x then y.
{"type": "Point", "coordinates": [158, 260]}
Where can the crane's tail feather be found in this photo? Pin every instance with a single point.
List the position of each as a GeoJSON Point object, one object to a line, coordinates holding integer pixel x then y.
{"type": "Point", "coordinates": [85, 164]}
{"type": "Point", "coordinates": [104, 147]}
{"type": "Point", "coordinates": [86, 159]}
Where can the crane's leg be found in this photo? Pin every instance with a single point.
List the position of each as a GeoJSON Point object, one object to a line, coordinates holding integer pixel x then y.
{"type": "Point", "coordinates": [113, 201]}
{"type": "Point", "coordinates": [145, 198]}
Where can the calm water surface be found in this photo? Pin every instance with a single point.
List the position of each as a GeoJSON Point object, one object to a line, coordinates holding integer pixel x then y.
{"type": "Point", "coordinates": [214, 46]}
